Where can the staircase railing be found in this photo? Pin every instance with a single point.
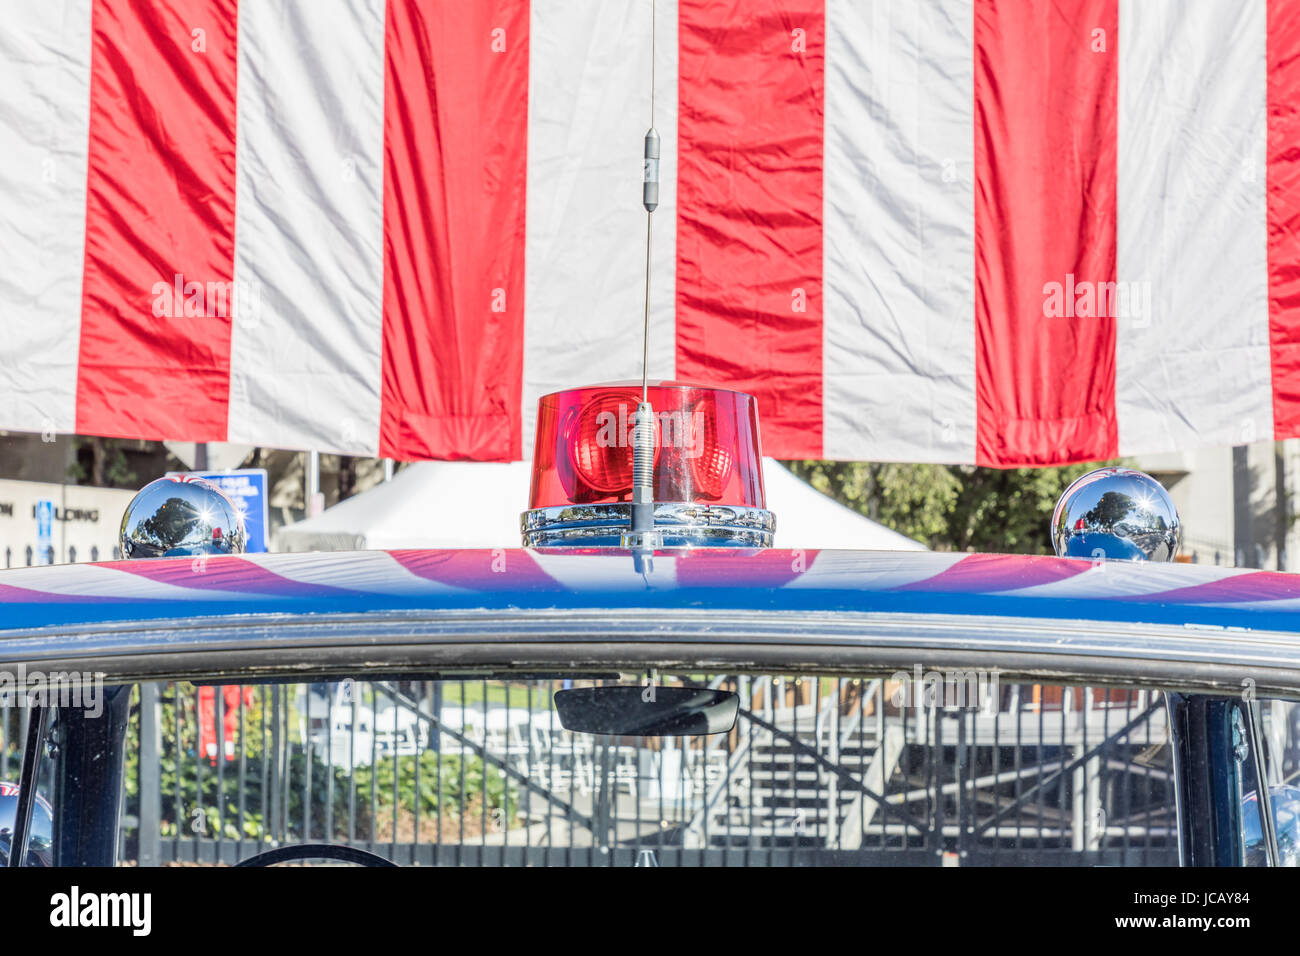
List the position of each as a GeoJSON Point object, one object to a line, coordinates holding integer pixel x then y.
{"type": "Point", "coordinates": [695, 832]}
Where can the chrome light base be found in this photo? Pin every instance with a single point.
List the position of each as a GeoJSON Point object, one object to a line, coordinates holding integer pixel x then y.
{"type": "Point", "coordinates": [677, 525]}
{"type": "Point", "coordinates": [641, 540]}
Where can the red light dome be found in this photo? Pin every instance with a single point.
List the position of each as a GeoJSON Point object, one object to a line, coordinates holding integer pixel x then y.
{"type": "Point", "coordinates": [707, 474]}
{"type": "Point", "coordinates": [706, 446]}
{"type": "Point", "coordinates": [597, 436]}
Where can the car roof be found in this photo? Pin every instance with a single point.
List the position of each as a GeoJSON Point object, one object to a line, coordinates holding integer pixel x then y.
{"type": "Point", "coordinates": [1031, 586]}
{"type": "Point", "coordinates": [1200, 626]}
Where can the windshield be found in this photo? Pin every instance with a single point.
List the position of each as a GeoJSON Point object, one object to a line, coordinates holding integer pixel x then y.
{"type": "Point", "coordinates": [908, 769]}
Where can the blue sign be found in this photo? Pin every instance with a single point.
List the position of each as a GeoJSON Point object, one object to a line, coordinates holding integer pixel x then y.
{"type": "Point", "coordinates": [44, 530]}
{"type": "Point", "coordinates": [246, 487]}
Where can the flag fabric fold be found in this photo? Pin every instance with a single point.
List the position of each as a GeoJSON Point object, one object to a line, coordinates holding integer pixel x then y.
{"type": "Point", "coordinates": [964, 231]}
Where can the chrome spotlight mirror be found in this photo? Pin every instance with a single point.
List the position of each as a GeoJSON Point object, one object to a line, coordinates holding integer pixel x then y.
{"type": "Point", "coordinates": [181, 515]}
{"type": "Point", "coordinates": [1116, 513]}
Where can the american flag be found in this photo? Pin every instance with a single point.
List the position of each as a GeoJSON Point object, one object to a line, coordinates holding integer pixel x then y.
{"type": "Point", "coordinates": [1006, 233]}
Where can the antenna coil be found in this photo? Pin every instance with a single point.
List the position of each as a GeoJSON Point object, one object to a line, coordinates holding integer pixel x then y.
{"type": "Point", "coordinates": [650, 185]}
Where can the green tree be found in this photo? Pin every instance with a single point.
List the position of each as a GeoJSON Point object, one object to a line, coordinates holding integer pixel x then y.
{"type": "Point", "coordinates": [950, 507]}
{"type": "Point", "coordinates": [101, 462]}
{"type": "Point", "coordinates": [168, 524]}
{"type": "Point", "coordinates": [198, 800]}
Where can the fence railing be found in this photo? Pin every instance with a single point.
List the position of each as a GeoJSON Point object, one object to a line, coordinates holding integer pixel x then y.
{"type": "Point", "coordinates": [27, 555]}
{"type": "Point", "coordinates": [480, 772]}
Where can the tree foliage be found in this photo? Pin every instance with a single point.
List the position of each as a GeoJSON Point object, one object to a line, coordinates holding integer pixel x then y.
{"type": "Point", "coordinates": [201, 798]}
{"type": "Point", "coordinates": [101, 462]}
{"type": "Point", "coordinates": [950, 507]}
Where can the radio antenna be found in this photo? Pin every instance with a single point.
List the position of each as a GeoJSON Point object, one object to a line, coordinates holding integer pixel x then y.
{"type": "Point", "coordinates": [641, 534]}
{"type": "Point", "coordinates": [649, 199]}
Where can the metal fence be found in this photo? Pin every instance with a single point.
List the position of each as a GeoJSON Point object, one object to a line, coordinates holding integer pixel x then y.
{"type": "Point", "coordinates": [25, 556]}
{"type": "Point", "coordinates": [817, 770]}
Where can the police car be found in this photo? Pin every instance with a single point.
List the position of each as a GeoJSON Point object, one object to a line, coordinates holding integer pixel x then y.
{"type": "Point", "coordinates": [650, 680]}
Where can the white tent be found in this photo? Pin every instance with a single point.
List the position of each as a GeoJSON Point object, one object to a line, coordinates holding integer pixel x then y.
{"type": "Point", "coordinates": [458, 504]}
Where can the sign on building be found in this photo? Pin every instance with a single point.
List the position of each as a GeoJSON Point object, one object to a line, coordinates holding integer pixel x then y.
{"type": "Point", "coordinates": [44, 530]}
{"type": "Point", "coordinates": [246, 487]}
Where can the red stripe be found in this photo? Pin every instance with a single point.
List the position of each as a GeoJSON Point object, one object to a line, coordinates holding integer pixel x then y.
{"type": "Point", "coordinates": [1284, 213]}
{"type": "Point", "coordinates": [455, 156]}
{"type": "Point", "coordinates": [989, 573]}
{"type": "Point", "coordinates": [761, 569]}
{"type": "Point", "coordinates": [1234, 589]}
{"type": "Point", "coordinates": [226, 573]}
{"type": "Point", "coordinates": [751, 100]}
{"type": "Point", "coordinates": [160, 201]}
{"type": "Point", "coordinates": [478, 570]}
{"type": "Point", "coordinates": [1045, 183]}
{"type": "Point", "coordinates": [12, 594]}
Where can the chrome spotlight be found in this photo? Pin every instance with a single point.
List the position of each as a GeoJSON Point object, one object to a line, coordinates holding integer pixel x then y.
{"type": "Point", "coordinates": [1116, 513]}
{"type": "Point", "coordinates": [177, 516]}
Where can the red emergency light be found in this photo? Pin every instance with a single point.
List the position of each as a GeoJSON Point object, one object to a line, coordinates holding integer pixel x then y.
{"type": "Point", "coordinates": [708, 477]}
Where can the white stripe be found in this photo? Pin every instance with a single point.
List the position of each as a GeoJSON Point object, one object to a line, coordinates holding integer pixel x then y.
{"type": "Point", "coordinates": [91, 580]}
{"type": "Point", "coordinates": [1129, 579]}
{"type": "Point", "coordinates": [588, 111]}
{"type": "Point", "coordinates": [306, 361]}
{"type": "Point", "coordinates": [873, 570]}
{"type": "Point", "coordinates": [44, 129]}
{"type": "Point", "coordinates": [899, 346]}
{"type": "Point", "coordinates": [1284, 604]}
{"type": "Point", "coordinates": [375, 572]}
{"type": "Point", "coordinates": [578, 572]}
{"type": "Point", "coordinates": [1194, 369]}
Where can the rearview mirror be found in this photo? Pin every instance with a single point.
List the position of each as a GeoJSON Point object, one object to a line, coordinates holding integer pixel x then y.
{"type": "Point", "coordinates": [628, 710]}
